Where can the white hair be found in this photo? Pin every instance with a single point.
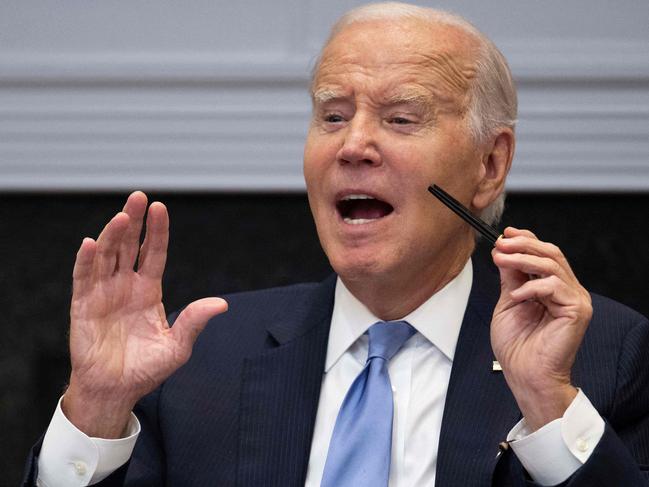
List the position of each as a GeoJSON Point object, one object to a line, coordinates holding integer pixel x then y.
{"type": "Point", "coordinates": [493, 102]}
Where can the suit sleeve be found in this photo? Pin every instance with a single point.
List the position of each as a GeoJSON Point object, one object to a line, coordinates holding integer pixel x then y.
{"type": "Point", "coordinates": [621, 458]}
{"type": "Point", "coordinates": [622, 455]}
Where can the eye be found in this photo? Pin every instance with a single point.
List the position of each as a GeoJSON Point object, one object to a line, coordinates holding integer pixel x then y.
{"type": "Point", "coordinates": [333, 118]}
{"type": "Point", "coordinates": [400, 121]}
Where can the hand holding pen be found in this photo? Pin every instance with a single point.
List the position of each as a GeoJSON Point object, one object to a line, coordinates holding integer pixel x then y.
{"type": "Point", "coordinates": [538, 324]}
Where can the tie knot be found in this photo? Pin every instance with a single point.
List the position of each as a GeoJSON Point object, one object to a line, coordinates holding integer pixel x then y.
{"type": "Point", "coordinates": [387, 337]}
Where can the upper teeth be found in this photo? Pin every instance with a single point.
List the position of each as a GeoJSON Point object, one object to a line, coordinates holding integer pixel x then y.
{"type": "Point", "coordinates": [357, 197]}
{"type": "Point", "coordinates": [358, 221]}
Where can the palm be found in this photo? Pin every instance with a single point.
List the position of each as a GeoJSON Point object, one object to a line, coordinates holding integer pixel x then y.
{"type": "Point", "coordinates": [527, 336]}
{"type": "Point", "coordinates": [119, 332]}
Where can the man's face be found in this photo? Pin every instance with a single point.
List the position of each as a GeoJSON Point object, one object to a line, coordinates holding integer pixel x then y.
{"type": "Point", "coordinates": [389, 119]}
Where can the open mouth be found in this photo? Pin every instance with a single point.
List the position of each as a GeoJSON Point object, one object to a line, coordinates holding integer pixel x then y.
{"type": "Point", "coordinates": [358, 209]}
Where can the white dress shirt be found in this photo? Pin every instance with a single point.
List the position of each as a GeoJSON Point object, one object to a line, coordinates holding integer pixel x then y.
{"type": "Point", "coordinates": [419, 374]}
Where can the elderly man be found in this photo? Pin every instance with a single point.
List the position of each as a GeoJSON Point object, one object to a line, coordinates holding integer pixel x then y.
{"type": "Point", "coordinates": [385, 374]}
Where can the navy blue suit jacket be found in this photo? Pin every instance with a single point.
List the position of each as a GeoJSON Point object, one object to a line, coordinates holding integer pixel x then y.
{"type": "Point", "coordinates": [241, 412]}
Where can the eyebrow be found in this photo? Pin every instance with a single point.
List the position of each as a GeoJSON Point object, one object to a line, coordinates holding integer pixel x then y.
{"type": "Point", "coordinates": [409, 98]}
{"type": "Point", "coordinates": [325, 95]}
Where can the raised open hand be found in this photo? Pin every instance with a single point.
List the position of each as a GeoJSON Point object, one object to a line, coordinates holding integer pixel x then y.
{"type": "Point", "coordinates": [121, 345]}
{"type": "Point", "coordinates": [538, 324]}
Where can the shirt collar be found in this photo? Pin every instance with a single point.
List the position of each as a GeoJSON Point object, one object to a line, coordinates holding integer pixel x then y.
{"type": "Point", "coordinates": [438, 319]}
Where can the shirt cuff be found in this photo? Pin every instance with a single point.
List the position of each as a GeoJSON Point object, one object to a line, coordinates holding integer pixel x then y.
{"type": "Point", "coordinates": [69, 457]}
{"type": "Point", "coordinates": [554, 452]}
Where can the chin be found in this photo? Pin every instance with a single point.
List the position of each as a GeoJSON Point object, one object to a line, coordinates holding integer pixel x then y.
{"type": "Point", "coordinates": [359, 264]}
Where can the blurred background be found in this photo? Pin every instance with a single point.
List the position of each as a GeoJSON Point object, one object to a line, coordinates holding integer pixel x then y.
{"type": "Point", "coordinates": [203, 104]}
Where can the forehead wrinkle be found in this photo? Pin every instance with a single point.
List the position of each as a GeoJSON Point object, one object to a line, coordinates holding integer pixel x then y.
{"type": "Point", "coordinates": [455, 74]}
{"type": "Point", "coordinates": [328, 75]}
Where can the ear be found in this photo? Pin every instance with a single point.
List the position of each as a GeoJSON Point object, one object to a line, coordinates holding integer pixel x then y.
{"type": "Point", "coordinates": [496, 161]}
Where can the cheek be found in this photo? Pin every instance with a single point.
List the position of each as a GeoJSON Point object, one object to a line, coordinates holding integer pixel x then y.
{"type": "Point", "coordinates": [319, 153]}
{"type": "Point", "coordinates": [311, 170]}
{"type": "Point", "coordinates": [454, 171]}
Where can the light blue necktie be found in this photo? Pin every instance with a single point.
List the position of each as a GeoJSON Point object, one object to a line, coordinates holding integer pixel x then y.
{"type": "Point", "coordinates": [361, 444]}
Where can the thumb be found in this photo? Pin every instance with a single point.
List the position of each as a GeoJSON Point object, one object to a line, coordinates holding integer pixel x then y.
{"type": "Point", "coordinates": [194, 317]}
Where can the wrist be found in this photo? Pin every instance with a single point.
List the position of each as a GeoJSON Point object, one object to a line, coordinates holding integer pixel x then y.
{"type": "Point", "coordinates": [542, 405]}
{"type": "Point", "coordinates": [96, 415]}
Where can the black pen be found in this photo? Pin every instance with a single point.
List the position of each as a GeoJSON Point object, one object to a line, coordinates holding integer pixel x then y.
{"type": "Point", "coordinates": [487, 231]}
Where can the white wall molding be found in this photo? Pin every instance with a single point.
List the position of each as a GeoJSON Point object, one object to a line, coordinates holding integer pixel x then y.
{"type": "Point", "coordinates": [189, 67]}
{"type": "Point", "coordinates": [208, 121]}
{"type": "Point", "coordinates": [578, 59]}
{"type": "Point", "coordinates": [530, 60]}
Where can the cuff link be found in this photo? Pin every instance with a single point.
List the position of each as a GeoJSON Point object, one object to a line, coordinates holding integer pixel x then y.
{"type": "Point", "coordinates": [80, 468]}
{"type": "Point", "coordinates": [582, 445]}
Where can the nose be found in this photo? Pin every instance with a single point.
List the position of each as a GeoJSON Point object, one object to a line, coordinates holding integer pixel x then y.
{"type": "Point", "coordinates": [360, 142]}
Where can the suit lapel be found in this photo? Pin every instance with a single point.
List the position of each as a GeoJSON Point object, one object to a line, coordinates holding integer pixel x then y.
{"type": "Point", "coordinates": [280, 392]}
{"type": "Point", "coordinates": [480, 408]}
